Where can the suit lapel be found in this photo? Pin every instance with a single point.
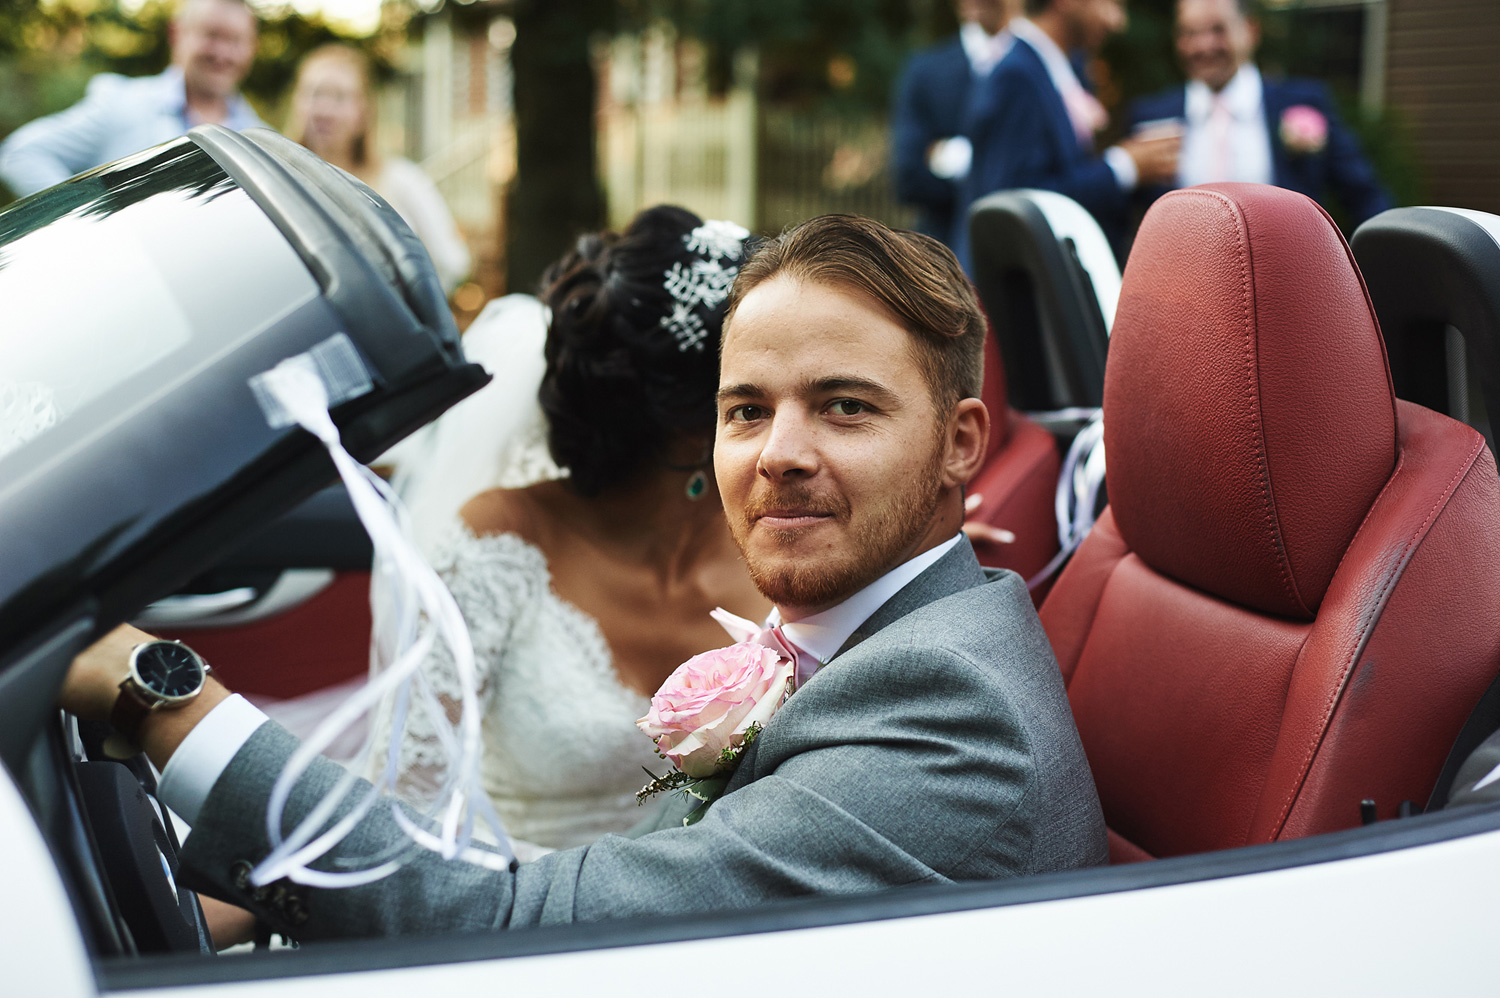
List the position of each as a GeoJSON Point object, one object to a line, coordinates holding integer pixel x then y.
{"type": "Point", "coordinates": [1273, 100]}
{"type": "Point", "coordinates": [1176, 105]}
{"type": "Point", "coordinates": [1057, 112]}
{"type": "Point", "coordinates": [953, 572]}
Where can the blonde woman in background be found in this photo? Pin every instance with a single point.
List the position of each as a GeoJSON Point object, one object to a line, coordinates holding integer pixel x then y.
{"type": "Point", "coordinates": [333, 114]}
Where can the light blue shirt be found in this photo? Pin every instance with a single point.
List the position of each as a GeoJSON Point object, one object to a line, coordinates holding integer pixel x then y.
{"type": "Point", "coordinates": [118, 115]}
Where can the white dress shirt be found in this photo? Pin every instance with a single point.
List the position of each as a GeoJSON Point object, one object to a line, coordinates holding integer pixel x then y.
{"type": "Point", "coordinates": [1225, 138]}
{"type": "Point", "coordinates": [983, 49]}
{"type": "Point", "coordinates": [208, 749]}
{"type": "Point", "coordinates": [1079, 103]}
{"type": "Point", "coordinates": [823, 634]}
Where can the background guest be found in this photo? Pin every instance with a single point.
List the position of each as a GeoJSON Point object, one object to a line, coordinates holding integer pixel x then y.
{"type": "Point", "coordinates": [1239, 126]}
{"type": "Point", "coordinates": [930, 158]}
{"type": "Point", "coordinates": [333, 112]}
{"type": "Point", "coordinates": [213, 44]}
{"type": "Point", "coordinates": [1032, 122]}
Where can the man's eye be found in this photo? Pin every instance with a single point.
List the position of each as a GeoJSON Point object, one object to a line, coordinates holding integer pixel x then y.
{"type": "Point", "coordinates": [745, 413]}
{"type": "Point", "coordinates": [847, 407]}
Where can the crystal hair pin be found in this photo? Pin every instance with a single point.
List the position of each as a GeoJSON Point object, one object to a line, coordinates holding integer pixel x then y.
{"type": "Point", "coordinates": [703, 284]}
{"type": "Point", "coordinates": [717, 239]}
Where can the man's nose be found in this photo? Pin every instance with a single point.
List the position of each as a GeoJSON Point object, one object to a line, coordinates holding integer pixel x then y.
{"type": "Point", "coordinates": [790, 449]}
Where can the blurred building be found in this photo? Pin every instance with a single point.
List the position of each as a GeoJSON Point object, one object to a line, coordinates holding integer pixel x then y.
{"type": "Point", "coordinates": [665, 137]}
{"type": "Point", "coordinates": [1426, 67]}
{"type": "Point", "coordinates": [1440, 73]}
{"type": "Point", "coordinates": [449, 110]}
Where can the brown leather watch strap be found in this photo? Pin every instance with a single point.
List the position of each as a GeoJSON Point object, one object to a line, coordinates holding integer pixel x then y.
{"type": "Point", "coordinates": [129, 711]}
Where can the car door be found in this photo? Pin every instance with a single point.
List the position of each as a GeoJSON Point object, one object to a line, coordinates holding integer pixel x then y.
{"type": "Point", "coordinates": [287, 612]}
{"type": "Point", "coordinates": [143, 301]}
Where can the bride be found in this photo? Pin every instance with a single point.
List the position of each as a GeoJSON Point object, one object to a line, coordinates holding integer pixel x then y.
{"type": "Point", "coordinates": [583, 592]}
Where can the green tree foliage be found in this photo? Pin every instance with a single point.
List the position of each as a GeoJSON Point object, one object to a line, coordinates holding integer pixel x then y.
{"type": "Point", "coordinates": [836, 55]}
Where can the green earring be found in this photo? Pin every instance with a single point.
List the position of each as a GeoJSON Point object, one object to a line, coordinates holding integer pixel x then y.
{"type": "Point", "coordinates": [697, 484]}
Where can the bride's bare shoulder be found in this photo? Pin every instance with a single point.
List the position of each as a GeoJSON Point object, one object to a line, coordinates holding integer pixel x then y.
{"type": "Point", "coordinates": [527, 512]}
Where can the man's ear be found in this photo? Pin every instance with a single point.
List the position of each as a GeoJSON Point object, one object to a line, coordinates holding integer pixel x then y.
{"type": "Point", "coordinates": [966, 440]}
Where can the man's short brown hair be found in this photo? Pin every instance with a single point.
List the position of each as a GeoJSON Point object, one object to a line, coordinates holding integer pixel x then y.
{"type": "Point", "coordinates": [916, 278]}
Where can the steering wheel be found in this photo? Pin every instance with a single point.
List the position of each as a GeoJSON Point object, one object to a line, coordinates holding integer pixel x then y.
{"type": "Point", "coordinates": [138, 847]}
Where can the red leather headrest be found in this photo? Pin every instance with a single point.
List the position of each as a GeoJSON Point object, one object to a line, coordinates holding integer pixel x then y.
{"type": "Point", "coordinates": [994, 395]}
{"type": "Point", "coordinates": [1248, 415]}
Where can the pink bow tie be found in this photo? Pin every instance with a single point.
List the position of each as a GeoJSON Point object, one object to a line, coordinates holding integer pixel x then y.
{"type": "Point", "coordinates": [775, 638]}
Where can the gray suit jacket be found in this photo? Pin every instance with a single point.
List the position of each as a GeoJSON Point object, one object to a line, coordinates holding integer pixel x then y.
{"type": "Point", "coordinates": [936, 746]}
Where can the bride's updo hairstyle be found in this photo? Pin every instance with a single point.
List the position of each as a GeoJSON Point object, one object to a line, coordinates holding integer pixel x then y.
{"type": "Point", "coordinates": [633, 346]}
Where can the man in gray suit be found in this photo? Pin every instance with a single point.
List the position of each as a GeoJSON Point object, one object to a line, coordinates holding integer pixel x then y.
{"type": "Point", "coordinates": [932, 742]}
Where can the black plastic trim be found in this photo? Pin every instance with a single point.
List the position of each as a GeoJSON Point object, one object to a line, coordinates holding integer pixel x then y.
{"type": "Point", "coordinates": [323, 532]}
{"type": "Point", "coordinates": [384, 954]}
{"type": "Point", "coordinates": [1041, 304]}
{"type": "Point", "coordinates": [348, 274]}
{"type": "Point", "coordinates": [1427, 269]}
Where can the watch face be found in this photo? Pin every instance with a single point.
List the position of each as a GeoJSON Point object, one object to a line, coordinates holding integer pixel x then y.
{"type": "Point", "coordinates": [169, 670]}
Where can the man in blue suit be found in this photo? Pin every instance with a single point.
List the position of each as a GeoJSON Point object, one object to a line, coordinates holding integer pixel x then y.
{"type": "Point", "coordinates": [1238, 126]}
{"type": "Point", "coordinates": [1032, 123]}
{"type": "Point", "coordinates": [929, 155]}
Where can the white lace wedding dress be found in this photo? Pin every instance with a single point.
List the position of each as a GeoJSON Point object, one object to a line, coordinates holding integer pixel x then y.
{"type": "Point", "coordinates": [562, 755]}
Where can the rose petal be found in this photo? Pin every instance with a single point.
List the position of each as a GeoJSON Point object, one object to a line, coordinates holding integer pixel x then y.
{"type": "Point", "coordinates": [710, 701]}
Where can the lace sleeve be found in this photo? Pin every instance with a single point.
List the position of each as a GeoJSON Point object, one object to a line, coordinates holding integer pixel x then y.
{"type": "Point", "coordinates": [493, 579]}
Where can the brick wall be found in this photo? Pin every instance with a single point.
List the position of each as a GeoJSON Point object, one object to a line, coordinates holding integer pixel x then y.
{"type": "Point", "coordinates": [1443, 74]}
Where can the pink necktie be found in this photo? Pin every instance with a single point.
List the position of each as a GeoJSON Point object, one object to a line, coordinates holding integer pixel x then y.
{"type": "Point", "coordinates": [772, 637]}
{"type": "Point", "coordinates": [806, 664]}
{"type": "Point", "coordinates": [1086, 113]}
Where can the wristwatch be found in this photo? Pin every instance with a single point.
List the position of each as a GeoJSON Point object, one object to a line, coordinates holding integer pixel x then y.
{"type": "Point", "coordinates": [163, 675]}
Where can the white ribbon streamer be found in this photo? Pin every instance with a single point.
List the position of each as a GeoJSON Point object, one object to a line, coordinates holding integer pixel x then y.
{"type": "Point", "coordinates": [412, 609]}
{"type": "Point", "coordinates": [1077, 489]}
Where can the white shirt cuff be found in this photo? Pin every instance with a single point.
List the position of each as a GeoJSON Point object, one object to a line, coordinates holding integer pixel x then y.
{"type": "Point", "coordinates": [951, 158]}
{"type": "Point", "coordinates": [1123, 166]}
{"type": "Point", "coordinates": [205, 753]}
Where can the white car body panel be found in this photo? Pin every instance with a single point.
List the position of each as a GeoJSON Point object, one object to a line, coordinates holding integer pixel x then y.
{"type": "Point", "coordinates": [39, 939]}
{"type": "Point", "coordinates": [1421, 920]}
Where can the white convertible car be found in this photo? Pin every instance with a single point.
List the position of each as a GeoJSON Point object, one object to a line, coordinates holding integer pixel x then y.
{"type": "Point", "coordinates": [1265, 811]}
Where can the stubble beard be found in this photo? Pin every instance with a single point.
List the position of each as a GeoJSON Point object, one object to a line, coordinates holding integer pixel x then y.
{"type": "Point", "coordinates": [873, 549]}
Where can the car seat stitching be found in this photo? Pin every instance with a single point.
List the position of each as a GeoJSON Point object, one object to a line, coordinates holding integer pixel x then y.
{"type": "Point", "coordinates": [1376, 611]}
{"type": "Point", "coordinates": [1252, 388]}
{"type": "Point", "coordinates": [1109, 578]}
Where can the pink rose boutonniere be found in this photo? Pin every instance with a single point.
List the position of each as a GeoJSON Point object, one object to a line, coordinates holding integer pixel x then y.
{"type": "Point", "coordinates": [708, 712]}
{"type": "Point", "coordinates": [1304, 130]}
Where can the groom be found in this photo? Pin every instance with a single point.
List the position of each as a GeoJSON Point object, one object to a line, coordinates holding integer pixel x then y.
{"type": "Point", "coordinates": [933, 742]}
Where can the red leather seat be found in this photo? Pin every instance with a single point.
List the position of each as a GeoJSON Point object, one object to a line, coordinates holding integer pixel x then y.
{"type": "Point", "coordinates": [1018, 481]}
{"type": "Point", "coordinates": [1294, 599]}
